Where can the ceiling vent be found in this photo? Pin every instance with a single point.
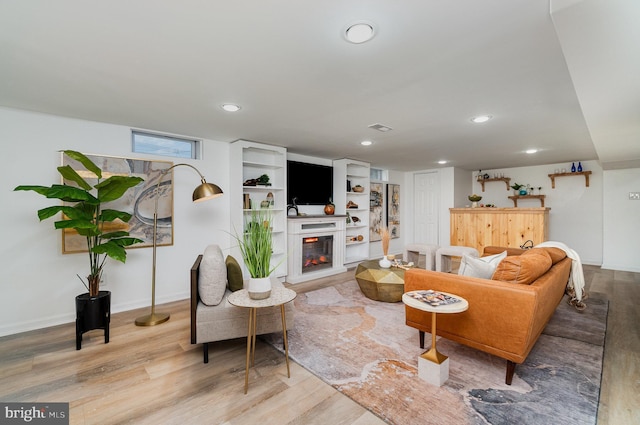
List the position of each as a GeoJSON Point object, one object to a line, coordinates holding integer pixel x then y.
{"type": "Point", "coordinates": [381, 127]}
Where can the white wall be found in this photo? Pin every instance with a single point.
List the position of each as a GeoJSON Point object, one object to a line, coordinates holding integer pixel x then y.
{"type": "Point", "coordinates": [39, 283]}
{"type": "Point", "coordinates": [621, 219]}
{"type": "Point", "coordinates": [575, 217]}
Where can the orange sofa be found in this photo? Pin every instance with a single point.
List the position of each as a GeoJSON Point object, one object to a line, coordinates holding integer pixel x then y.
{"type": "Point", "coordinates": [504, 318]}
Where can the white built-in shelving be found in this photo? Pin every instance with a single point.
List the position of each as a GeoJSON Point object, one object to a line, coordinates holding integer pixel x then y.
{"type": "Point", "coordinates": [250, 160]}
{"type": "Point", "coordinates": [347, 174]}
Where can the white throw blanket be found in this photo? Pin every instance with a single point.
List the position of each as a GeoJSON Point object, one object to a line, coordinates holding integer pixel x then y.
{"type": "Point", "coordinates": [576, 278]}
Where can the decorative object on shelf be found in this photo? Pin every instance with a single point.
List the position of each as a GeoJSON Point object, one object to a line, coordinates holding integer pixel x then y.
{"type": "Point", "coordinates": [355, 219]}
{"type": "Point", "coordinates": [293, 208]}
{"type": "Point", "coordinates": [348, 185]}
{"type": "Point", "coordinates": [270, 199]}
{"type": "Point", "coordinates": [573, 167]}
{"type": "Point", "coordinates": [479, 176]}
{"type": "Point", "coordinates": [358, 188]}
{"type": "Point", "coordinates": [539, 190]}
{"type": "Point", "coordinates": [474, 200]}
{"type": "Point", "coordinates": [330, 208]}
{"type": "Point", "coordinates": [579, 166]}
{"type": "Point", "coordinates": [348, 218]}
{"type": "Point", "coordinates": [360, 238]}
{"type": "Point", "coordinates": [485, 176]}
{"type": "Point", "coordinates": [246, 201]}
{"type": "Point", "coordinates": [263, 180]}
{"type": "Point", "coordinates": [393, 210]}
{"type": "Point", "coordinates": [265, 204]}
{"type": "Point", "coordinates": [88, 218]}
{"type": "Point", "coordinates": [352, 204]}
{"type": "Point", "coordinates": [256, 246]}
{"type": "Point", "coordinates": [516, 188]}
{"type": "Point", "coordinates": [375, 211]}
{"type": "Point", "coordinates": [204, 192]}
{"type": "Point", "coordinates": [385, 236]}
{"type": "Point", "coordinates": [250, 182]}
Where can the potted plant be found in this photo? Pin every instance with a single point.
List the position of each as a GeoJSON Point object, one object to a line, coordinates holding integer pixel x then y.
{"type": "Point", "coordinates": [256, 248]}
{"type": "Point", "coordinates": [516, 188]}
{"type": "Point", "coordinates": [83, 212]}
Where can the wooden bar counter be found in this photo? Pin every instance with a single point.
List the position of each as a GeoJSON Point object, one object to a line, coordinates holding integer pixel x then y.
{"type": "Point", "coordinates": [509, 227]}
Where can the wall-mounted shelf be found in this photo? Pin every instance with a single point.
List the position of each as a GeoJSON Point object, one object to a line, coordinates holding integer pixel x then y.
{"type": "Point", "coordinates": [516, 197]}
{"type": "Point", "coordinates": [575, 173]}
{"type": "Point", "coordinates": [506, 180]}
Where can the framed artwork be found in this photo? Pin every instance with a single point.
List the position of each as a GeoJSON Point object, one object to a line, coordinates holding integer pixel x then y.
{"type": "Point", "coordinates": [139, 201]}
{"type": "Point", "coordinates": [375, 211]}
{"type": "Point", "coordinates": [393, 210]}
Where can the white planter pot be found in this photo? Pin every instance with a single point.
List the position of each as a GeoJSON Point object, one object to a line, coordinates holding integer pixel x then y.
{"type": "Point", "coordinates": [259, 288]}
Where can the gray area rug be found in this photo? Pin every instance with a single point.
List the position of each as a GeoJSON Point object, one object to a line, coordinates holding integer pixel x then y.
{"type": "Point", "coordinates": [364, 349]}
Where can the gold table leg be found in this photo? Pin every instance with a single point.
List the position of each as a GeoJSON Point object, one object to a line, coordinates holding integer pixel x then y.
{"type": "Point", "coordinates": [251, 345]}
{"type": "Point", "coordinates": [284, 336]}
{"type": "Point", "coordinates": [433, 354]}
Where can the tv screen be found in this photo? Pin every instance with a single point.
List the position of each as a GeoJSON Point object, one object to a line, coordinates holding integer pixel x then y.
{"type": "Point", "coordinates": [310, 184]}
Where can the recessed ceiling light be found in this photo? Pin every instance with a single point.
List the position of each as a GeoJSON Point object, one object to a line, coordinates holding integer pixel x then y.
{"type": "Point", "coordinates": [366, 143]}
{"type": "Point", "coordinates": [442, 162]}
{"type": "Point", "coordinates": [530, 151]}
{"type": "Point", "coordinates": [481, 118]}
{"type": "Point", "coordinates": [230, 107]}
{"type": "Point", "coordinates": [359, 33]}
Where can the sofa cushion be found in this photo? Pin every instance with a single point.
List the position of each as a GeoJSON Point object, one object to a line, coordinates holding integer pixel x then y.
{"type": "Point", "coordinates": [556, 254]}
{"type": "Point", "coordinates": [483, 267]}
{"type": "Point", "coordinates": [213, 276]}
{"type": "Point", "coordinates": [523, 269]}
{"type": "Point", "coordinates": [234, 274]}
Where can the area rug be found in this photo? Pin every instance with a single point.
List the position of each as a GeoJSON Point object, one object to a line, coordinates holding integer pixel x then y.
{"type": "Point", "coordinates": [364, 349]}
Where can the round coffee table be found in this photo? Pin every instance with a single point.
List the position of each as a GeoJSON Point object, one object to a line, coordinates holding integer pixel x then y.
{"type": "Point", "coordinates": [380, 284]}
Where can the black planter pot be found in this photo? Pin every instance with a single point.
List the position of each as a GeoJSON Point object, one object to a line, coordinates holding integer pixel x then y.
{"type": "Point", "coordinates": [92, 313]}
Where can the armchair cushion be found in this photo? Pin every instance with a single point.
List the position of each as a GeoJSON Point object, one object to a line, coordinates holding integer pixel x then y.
{"type": "Point", "coordinates": [213, 276]}
{"type": "Point", "coordinates": [234, 274]}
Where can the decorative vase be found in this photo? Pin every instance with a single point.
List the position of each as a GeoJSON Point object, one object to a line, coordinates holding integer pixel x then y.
{"type": "Point", "coordinates": [523, 192]}
{"type": "Point", "coordinates": [579, 167]}
{"type": "Point", "coordinates": [259, 288]}
{"type": "Point", "coordinates": [330, 208]}
{"type": "Point", "coordinates": [384, 263]}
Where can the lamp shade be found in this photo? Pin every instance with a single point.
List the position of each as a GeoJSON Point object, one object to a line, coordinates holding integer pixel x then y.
{"type": "Point", "coordinates": [206, 191]}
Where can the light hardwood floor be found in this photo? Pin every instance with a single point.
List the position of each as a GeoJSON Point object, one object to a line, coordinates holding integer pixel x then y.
{"type": "Point", "coordinates": [155, 376]}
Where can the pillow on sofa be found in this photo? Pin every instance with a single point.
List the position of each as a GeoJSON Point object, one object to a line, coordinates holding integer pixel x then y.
{"type": "Point", "coordinates": [234, 274]}
{"type": "Point", "coordinates": [556, 254]}
{"type": "Point", "coordinates": [523, 269]}
{"type": "Point", "coordinates": [482, 267]}
{"type": "Point", "coordinates": [212, 282]}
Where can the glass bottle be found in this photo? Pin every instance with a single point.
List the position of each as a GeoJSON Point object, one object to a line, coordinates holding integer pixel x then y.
{"type": "Point", "coordinates": [573, 167]}
{"type": "Point", "coordinates": [579, 166]}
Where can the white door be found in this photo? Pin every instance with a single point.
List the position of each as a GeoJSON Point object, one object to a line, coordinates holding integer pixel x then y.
{"type": "Point", "coordinates": [426, 195]}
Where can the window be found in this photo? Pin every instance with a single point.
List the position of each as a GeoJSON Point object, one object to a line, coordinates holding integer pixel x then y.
{"type": "Point", "coordinates": [164, 145]}
{"type": "Point", "coordinates": [379, 175]}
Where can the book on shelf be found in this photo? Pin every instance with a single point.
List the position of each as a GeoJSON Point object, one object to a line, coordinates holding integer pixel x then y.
{"type": "Point", "coordinates": [433, 298]}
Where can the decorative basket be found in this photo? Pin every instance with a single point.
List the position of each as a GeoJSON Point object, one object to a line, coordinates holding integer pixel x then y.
{"type": "Point", "coordinates": [358, 189]}
{"type": "Point", "coordinates": [475, 198]}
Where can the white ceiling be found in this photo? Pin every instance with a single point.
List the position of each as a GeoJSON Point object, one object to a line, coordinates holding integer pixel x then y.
{"type": "Point", "coordinates": [565, 82]}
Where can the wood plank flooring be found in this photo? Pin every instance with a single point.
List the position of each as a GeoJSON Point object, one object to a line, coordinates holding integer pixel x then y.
{"type": "Point", "coordinates": [153, 375]}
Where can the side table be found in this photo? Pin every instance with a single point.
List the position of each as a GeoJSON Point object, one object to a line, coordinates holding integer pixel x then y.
{"type": "Point", "coordinates": [433, 366]}
{"type": "Point", "coordinates": [279, 296]}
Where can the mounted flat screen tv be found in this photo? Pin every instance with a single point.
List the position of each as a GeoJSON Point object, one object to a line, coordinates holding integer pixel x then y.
{"type": "Point", "coordinates": [310, 184]}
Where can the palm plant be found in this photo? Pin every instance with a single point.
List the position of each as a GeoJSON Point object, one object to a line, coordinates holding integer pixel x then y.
{"type": "Point", "coordinates": [86, 215]}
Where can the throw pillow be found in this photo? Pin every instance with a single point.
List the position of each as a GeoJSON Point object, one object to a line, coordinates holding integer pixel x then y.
{"type": "Point", "coordinates": [212, 282]}
{"type": "Point", "coordinates": [556, 254]}
{"type": "Point", "coordinates": [482, 267]}
{"type": "Point", "coordinates": [523, 269]}
{"type": "Point", "coordinates": [234, 274]}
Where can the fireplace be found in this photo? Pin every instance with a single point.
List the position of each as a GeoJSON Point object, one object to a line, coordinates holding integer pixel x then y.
{"type": "Point", "coordinates": [317, 253]}
{"type": "Point", "coordinates": [315, 248]}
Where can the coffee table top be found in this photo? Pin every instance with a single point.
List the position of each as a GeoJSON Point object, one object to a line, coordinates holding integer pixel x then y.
{"type": "Point", "coordinates": [457, 307]}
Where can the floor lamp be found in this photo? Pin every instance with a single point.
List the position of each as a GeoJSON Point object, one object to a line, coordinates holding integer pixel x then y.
{"type": "Point", "coordinates": [203, 192]}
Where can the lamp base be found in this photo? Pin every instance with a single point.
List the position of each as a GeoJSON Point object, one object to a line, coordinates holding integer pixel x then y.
{"type": "Point", "coordinates": [152, 319]}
